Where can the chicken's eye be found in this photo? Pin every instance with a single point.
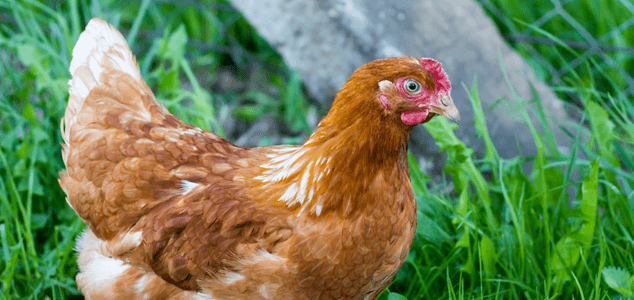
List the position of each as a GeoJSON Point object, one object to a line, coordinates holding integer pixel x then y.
{"type": "Point", "coordinates": [412, 86]}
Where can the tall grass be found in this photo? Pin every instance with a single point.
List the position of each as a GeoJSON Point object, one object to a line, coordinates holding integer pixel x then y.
{"type": "Point", "coordinates": [562, 230]}
{"type": "Point", "coordinates": [600, 31]}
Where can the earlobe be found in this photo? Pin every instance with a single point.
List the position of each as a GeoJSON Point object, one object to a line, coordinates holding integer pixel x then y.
{"type": "Point", "coordinates": [385, 101]}
{"type": "Point", "coordinates": [385, 87]}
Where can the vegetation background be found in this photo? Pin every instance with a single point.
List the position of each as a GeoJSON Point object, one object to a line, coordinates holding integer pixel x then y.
{"type": "Point", "coordinates": [561, 229]}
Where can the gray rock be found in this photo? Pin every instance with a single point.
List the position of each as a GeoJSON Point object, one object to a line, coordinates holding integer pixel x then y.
{"type": "Point", "coordinates": [327, 40]}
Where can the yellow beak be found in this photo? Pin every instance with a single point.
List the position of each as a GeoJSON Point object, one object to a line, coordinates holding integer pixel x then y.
{"type": "Point", "coordinates": [447, 108]}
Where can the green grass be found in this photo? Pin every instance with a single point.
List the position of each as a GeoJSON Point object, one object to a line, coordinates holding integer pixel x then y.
{"type": "Point", "coordinates": [561, 228]}
{"type": "Point", "coordinates": [608, 24]}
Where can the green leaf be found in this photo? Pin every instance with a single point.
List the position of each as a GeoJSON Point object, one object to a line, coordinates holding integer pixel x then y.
{"type": "Point", "coordinates": [459, 164]}
{"type": "Point", "coordinates": [489, 256]}
{"type": "Point", "coordinates": [247, 112]}
{"type": "Point", "coordinates": [194, 20]}
{"type": "Point", "coordinates": [395, 296]}
{"type": "Point", "coordinates": [202, 102]}
{"type": "Point", "coordinates": [174, 48]}
{"type": "Point", "coordinates": [603, 131]}
{"type": "Point", "coordinates": [295, 105]}
{"type": "Point", "coordinates": [546, 179]}
{"type": "Point", "coordinates": [619, 280]}
{"type": "Point", "coordinates": [588, 207]}
{"type": "Point", "coordinates": [427, 225]}
{"type": "Point", "coordinates": [566, 256]}
{"type": "Point", "coordinates": [36, 187]}
{"type": "Point", "coordinates": [464, 241]}
{"type": "Point", "coordinates": [170, 81]}
{"type": "Point", "coordinates": [480, 121]}
{"type": "Point", "coordinates": [571, 245]}
{"type": "Point", "coordinates": [39, 220]}
{"type": "Point", "coordinates": [457, 152]}
{"type": "Point", "coordinates": [463, 205]}
{"type": "Point", "coordinates": [418, 178]}
{"type": "Point", "coordinates": [30, 55]}
{"type": "Point", "coordinates": [39, 135]}
{"type": "Point", "coordinates": [29, 113]}
{"type": "Point", "coordinates": [615, 277]}
{"type": "Point", "coordinates": [519, 187]}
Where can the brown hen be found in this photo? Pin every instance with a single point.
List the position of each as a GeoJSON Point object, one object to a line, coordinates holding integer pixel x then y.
{"type": "Point", "coordinates": [176, 212]}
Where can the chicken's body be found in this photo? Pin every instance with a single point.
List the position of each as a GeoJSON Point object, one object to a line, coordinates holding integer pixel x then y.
{"type": "Point", "coordinates": [175, 212]}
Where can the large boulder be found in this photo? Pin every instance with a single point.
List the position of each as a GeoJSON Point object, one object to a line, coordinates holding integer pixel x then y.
{"type": "Point", "coordinates": [327, 40]}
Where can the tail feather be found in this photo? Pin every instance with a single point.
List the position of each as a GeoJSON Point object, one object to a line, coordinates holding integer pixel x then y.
{"type": "Point", "coordinates": [99, 38]}
{"type": "Point", "coordinates": [100, 50]}
{"type": "Point", "coordinates": [99, 47]}
{"type": "Point", "coordinates": [106, 87]}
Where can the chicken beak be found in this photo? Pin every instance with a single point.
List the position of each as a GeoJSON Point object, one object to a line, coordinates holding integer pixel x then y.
{"type": "Point", "coordinates": [447, 108]}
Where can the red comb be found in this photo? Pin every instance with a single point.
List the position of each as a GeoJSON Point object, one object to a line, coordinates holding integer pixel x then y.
{"type": "Point", "coordinates": [435, 68]}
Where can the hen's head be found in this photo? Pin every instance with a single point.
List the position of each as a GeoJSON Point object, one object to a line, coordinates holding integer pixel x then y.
{"type": "Point", "coordinates": [407, 90]}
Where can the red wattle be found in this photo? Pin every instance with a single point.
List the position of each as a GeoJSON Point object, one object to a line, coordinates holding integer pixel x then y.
{"type": "Point", "coordinates": [414, 117]}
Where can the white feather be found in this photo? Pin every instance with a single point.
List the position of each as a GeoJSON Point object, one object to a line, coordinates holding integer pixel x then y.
{"type": "Point", "coordinates": [289, 194]}
{"type": "Point", "coordinates": [98, 38]}
{"type": "Point", "coordinates": [140, 284]}
{"type": "Point", "coordinates": [384, 85]}
{"type": "Point", "coordinates": [289, 163]}
{"type": "Point", "coordinates": [304, 183]}
{"type": "Point", "coordinates": [232, 278]}
{"type": "Point", "coordinates": [187, 186]}
{"type": "Point", "coordinates": [310, 194]}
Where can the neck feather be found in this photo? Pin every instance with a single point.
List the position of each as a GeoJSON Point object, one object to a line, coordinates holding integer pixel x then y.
{"type": "Point", "coordinates": [343, 165]}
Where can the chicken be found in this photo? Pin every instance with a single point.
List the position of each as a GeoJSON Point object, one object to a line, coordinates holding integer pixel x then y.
{"type": "Point", "coordinates": [176, 212]}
